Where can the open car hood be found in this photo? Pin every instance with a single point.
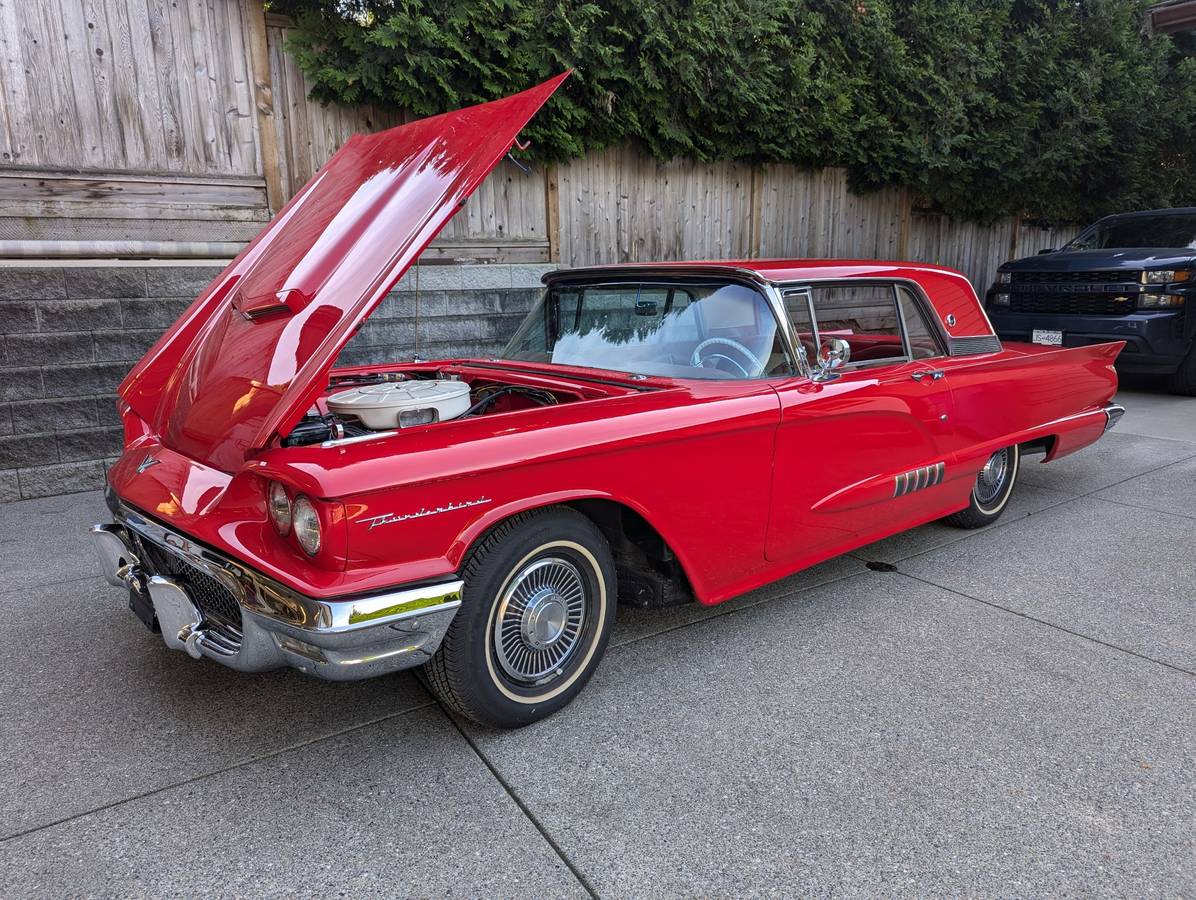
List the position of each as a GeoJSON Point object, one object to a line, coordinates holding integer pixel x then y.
{"type": "Point", "coordinates": [249, 356]}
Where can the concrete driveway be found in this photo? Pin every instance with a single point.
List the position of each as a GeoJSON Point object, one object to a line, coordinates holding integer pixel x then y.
{"type": "Point", "coordinates": [1012, 711]}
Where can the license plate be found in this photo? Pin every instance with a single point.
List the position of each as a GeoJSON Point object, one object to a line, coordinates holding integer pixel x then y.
{"type": "Point", "coordinates": [1053, 338]}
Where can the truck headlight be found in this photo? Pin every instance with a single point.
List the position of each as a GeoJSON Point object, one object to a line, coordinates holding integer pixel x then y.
{"type": "Point", "coordinates": [1002, 278]}
{"type": "Point", "coordinates": [307, 525]}
{"type": "Point", "coordinates": [280, 507]}
{"type": "Point", "coordinates": [1165, 276]}
{"type": "Point", "coordinates": [1159, 301]}
{"type": "Point", "coordinates": [1000, 300]}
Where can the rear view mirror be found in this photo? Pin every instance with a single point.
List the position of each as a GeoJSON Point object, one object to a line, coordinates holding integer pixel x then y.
{"type": "Point", "coordinates": [833, 353]}
{"type": "Point", "coordinates": [1047, 250]}
{"type": "Point", "coordinates": [646, 308]}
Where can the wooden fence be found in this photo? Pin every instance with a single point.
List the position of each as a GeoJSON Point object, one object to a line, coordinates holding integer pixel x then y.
{"type": "Point", "coordinates": [153, 127]}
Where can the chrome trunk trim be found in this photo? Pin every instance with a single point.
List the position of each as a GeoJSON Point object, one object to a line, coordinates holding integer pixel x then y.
{"type": "Point", "coordinates": [1113, 413]}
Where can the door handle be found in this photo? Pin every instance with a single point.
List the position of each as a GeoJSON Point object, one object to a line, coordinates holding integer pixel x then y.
{"type": "Point", "coordinates": [933, 375]}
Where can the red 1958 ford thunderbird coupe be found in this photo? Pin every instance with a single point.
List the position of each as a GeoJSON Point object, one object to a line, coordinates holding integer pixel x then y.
{"type": "Point", "coordinates": [655, 434]}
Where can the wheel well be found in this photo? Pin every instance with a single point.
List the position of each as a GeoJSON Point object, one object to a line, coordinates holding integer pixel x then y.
{"type": "Point", "coordinates": [1044, 445]}
{"type": "Point", "coordinates": [649, 572]}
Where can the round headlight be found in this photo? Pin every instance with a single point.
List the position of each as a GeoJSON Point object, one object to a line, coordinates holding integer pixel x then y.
{"type": "Point", "coordinates": [280, 507]}
{"type": "Point", "coordinates": [307, 526]}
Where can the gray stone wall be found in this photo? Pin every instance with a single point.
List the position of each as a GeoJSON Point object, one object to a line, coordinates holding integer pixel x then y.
{"type": "Point", "coordinates": [68, 335]}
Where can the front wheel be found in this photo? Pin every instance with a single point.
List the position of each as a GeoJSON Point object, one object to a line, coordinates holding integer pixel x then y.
{"type": "Point", "coordinates": [991, 492]}
{"type": "Point", "coordinates": [536, 613]}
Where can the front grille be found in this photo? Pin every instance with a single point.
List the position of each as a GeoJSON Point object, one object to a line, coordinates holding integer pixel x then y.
{"type": "Point", "coordinates": [1100, 276]}
{"type": "Point", "coordinates": [210, 595]}
{"type": "Point", "coordinates": [1104, 292]}
{"type": "Point", "coordinates": [1072, 304]}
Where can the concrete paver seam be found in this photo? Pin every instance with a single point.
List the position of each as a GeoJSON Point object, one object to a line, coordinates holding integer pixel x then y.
{"type": "Point", "coordinates": [1053, 625]}
{"type": "Point", "coordinates": [523, 807]}
{"type": "Point", "coordinates": [205, 775]}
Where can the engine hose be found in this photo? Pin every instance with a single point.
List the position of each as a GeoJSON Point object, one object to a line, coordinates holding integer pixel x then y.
{"type": "Point", "coordinates": [543, 398]}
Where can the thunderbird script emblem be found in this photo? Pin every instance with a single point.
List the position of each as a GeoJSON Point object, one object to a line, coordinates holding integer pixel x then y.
{"type": "Point", "coordinates": [146, 463]}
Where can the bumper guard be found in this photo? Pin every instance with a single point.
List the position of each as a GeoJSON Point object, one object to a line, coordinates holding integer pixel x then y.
{"type": "Point", "coordinates": [339, 640]}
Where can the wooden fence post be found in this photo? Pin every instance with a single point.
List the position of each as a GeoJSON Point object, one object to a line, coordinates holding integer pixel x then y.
{"type": "Point", "coordinates": [1014, 234]}
{"type": "Point", "coordinates": [904, 225]}
{"type": "Point", "coordinates": [756, 213]}
{"type": "Point", "coordinates": [552, 212]}
{"type": "Point", "coordinates": [263, 100]}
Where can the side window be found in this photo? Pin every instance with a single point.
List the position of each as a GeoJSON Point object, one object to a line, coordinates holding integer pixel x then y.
{"type": "Point", "coordinates": [865, 316]}
{"type": "Point", "coordinates": [797, 308]}
{"type": "Point", "coordinates": [922, 342]}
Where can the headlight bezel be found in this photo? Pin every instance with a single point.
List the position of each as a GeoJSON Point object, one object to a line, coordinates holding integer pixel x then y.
{"type": "Point", "coordinates": [303, 508]}
{"type": "Point", "coordinates": [281, 520]}
{"type": "Point", "coordinates": [1166, 276]}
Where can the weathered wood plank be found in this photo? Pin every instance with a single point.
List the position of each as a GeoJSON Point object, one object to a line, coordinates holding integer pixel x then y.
{"type": "Point", "coordinates": [78, 197]}
{"type": "Point", "coordinates": [140, 131]}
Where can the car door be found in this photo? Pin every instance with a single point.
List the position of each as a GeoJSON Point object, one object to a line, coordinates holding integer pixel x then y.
{"type": "Point", "coordinates": [863, 453]}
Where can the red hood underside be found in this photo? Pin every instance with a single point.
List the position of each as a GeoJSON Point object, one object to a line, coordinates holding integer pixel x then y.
{"type": "Point", "coordinates": [250, 355]}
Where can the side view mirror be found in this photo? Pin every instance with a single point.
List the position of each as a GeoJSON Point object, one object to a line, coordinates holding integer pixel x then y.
{"type": "Point", "coordinates": [1046, 250]}
{"type": "Point", "coordinates": [832, 354]}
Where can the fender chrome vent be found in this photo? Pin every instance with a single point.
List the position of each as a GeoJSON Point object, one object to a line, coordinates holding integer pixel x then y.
{"type": "Point", "coordinates": [915, 480]}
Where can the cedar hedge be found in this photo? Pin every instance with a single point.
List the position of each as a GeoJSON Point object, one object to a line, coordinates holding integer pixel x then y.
{"type": "Point", "coordinates": [1061, 110]}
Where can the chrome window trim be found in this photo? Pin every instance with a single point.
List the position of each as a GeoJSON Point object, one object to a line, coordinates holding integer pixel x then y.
{"type": "Point", "coordinates": [890, 283]}
{"type": "Point", "coordinates": [922, 303]}
{"type": "Point", "coordinates": [944, 340]}
{"type": "Point", "coordinates": [759, 280]}
{"type": "Point", "coordinates": [805, 366]}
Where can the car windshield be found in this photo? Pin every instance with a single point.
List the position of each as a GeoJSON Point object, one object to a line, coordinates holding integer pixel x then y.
{"type": "Point", "coordinates": [1165, 231]}
{"type": "Point", "coordinates": [676, 330]}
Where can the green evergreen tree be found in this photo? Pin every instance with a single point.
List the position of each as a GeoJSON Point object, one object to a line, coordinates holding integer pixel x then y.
{"type": "Point", "coordinates": [1061, 109]}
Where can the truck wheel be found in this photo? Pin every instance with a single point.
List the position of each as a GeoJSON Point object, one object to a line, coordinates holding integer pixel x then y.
{"type": "Point", "coordinates": [991, 492]}
{"type": "Point", "coordinates": [1183, 379]}
{"type": "Point", "coordinates": [537, 610]}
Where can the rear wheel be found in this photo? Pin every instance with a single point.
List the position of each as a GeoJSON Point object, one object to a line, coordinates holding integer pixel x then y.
{"type": "Point", "coordinates": [1183, 379]}
{"type": "Point", "coordinates": [537, 611]}
{"type": "Point", "coordinates": [991, 492]}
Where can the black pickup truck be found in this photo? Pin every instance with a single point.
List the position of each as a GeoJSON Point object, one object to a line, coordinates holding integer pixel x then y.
{"type": "Point", "coordinates": [1129, 277]}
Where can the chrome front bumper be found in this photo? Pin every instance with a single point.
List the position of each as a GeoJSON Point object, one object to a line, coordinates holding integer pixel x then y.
{"type": "Point", "coordinates": [340, 640]}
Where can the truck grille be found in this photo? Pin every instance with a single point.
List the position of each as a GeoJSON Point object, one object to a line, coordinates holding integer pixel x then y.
{"type": "Point", "coordinates": [212, 597]}
{"type": "Point", "coordinates": [1105, 292]}
{"type": "Point", "coordinates": [1103, 276]}
{"type": "Point", "coordinates": [1082, 305]}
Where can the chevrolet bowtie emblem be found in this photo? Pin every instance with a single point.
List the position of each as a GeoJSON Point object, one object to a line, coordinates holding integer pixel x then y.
{"type": "Point", "coordinates": [146, 463]}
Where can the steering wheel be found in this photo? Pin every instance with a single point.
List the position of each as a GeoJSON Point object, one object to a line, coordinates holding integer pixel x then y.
{"type": "Point", "coordinates": [710, 361]}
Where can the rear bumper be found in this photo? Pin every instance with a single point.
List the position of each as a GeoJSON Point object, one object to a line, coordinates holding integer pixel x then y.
{"type": "Point", "coordinates": [1113, 414]}
{"type": "Point", "coordinates": [1154, 341]}
{"type": "Point", "coordinates": [339, 640]}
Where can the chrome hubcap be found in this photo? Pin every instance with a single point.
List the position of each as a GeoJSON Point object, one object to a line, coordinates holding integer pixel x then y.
{"type": "Point", "coordinates": [991, 480]}
{"type": "Point", "coordinates": [539, 620]}
{"type": "Point", "coordinates": [543, 620]}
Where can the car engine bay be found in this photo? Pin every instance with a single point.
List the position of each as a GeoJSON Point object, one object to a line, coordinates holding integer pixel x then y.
{"type": "Point", "coordinates": [358, 404]}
